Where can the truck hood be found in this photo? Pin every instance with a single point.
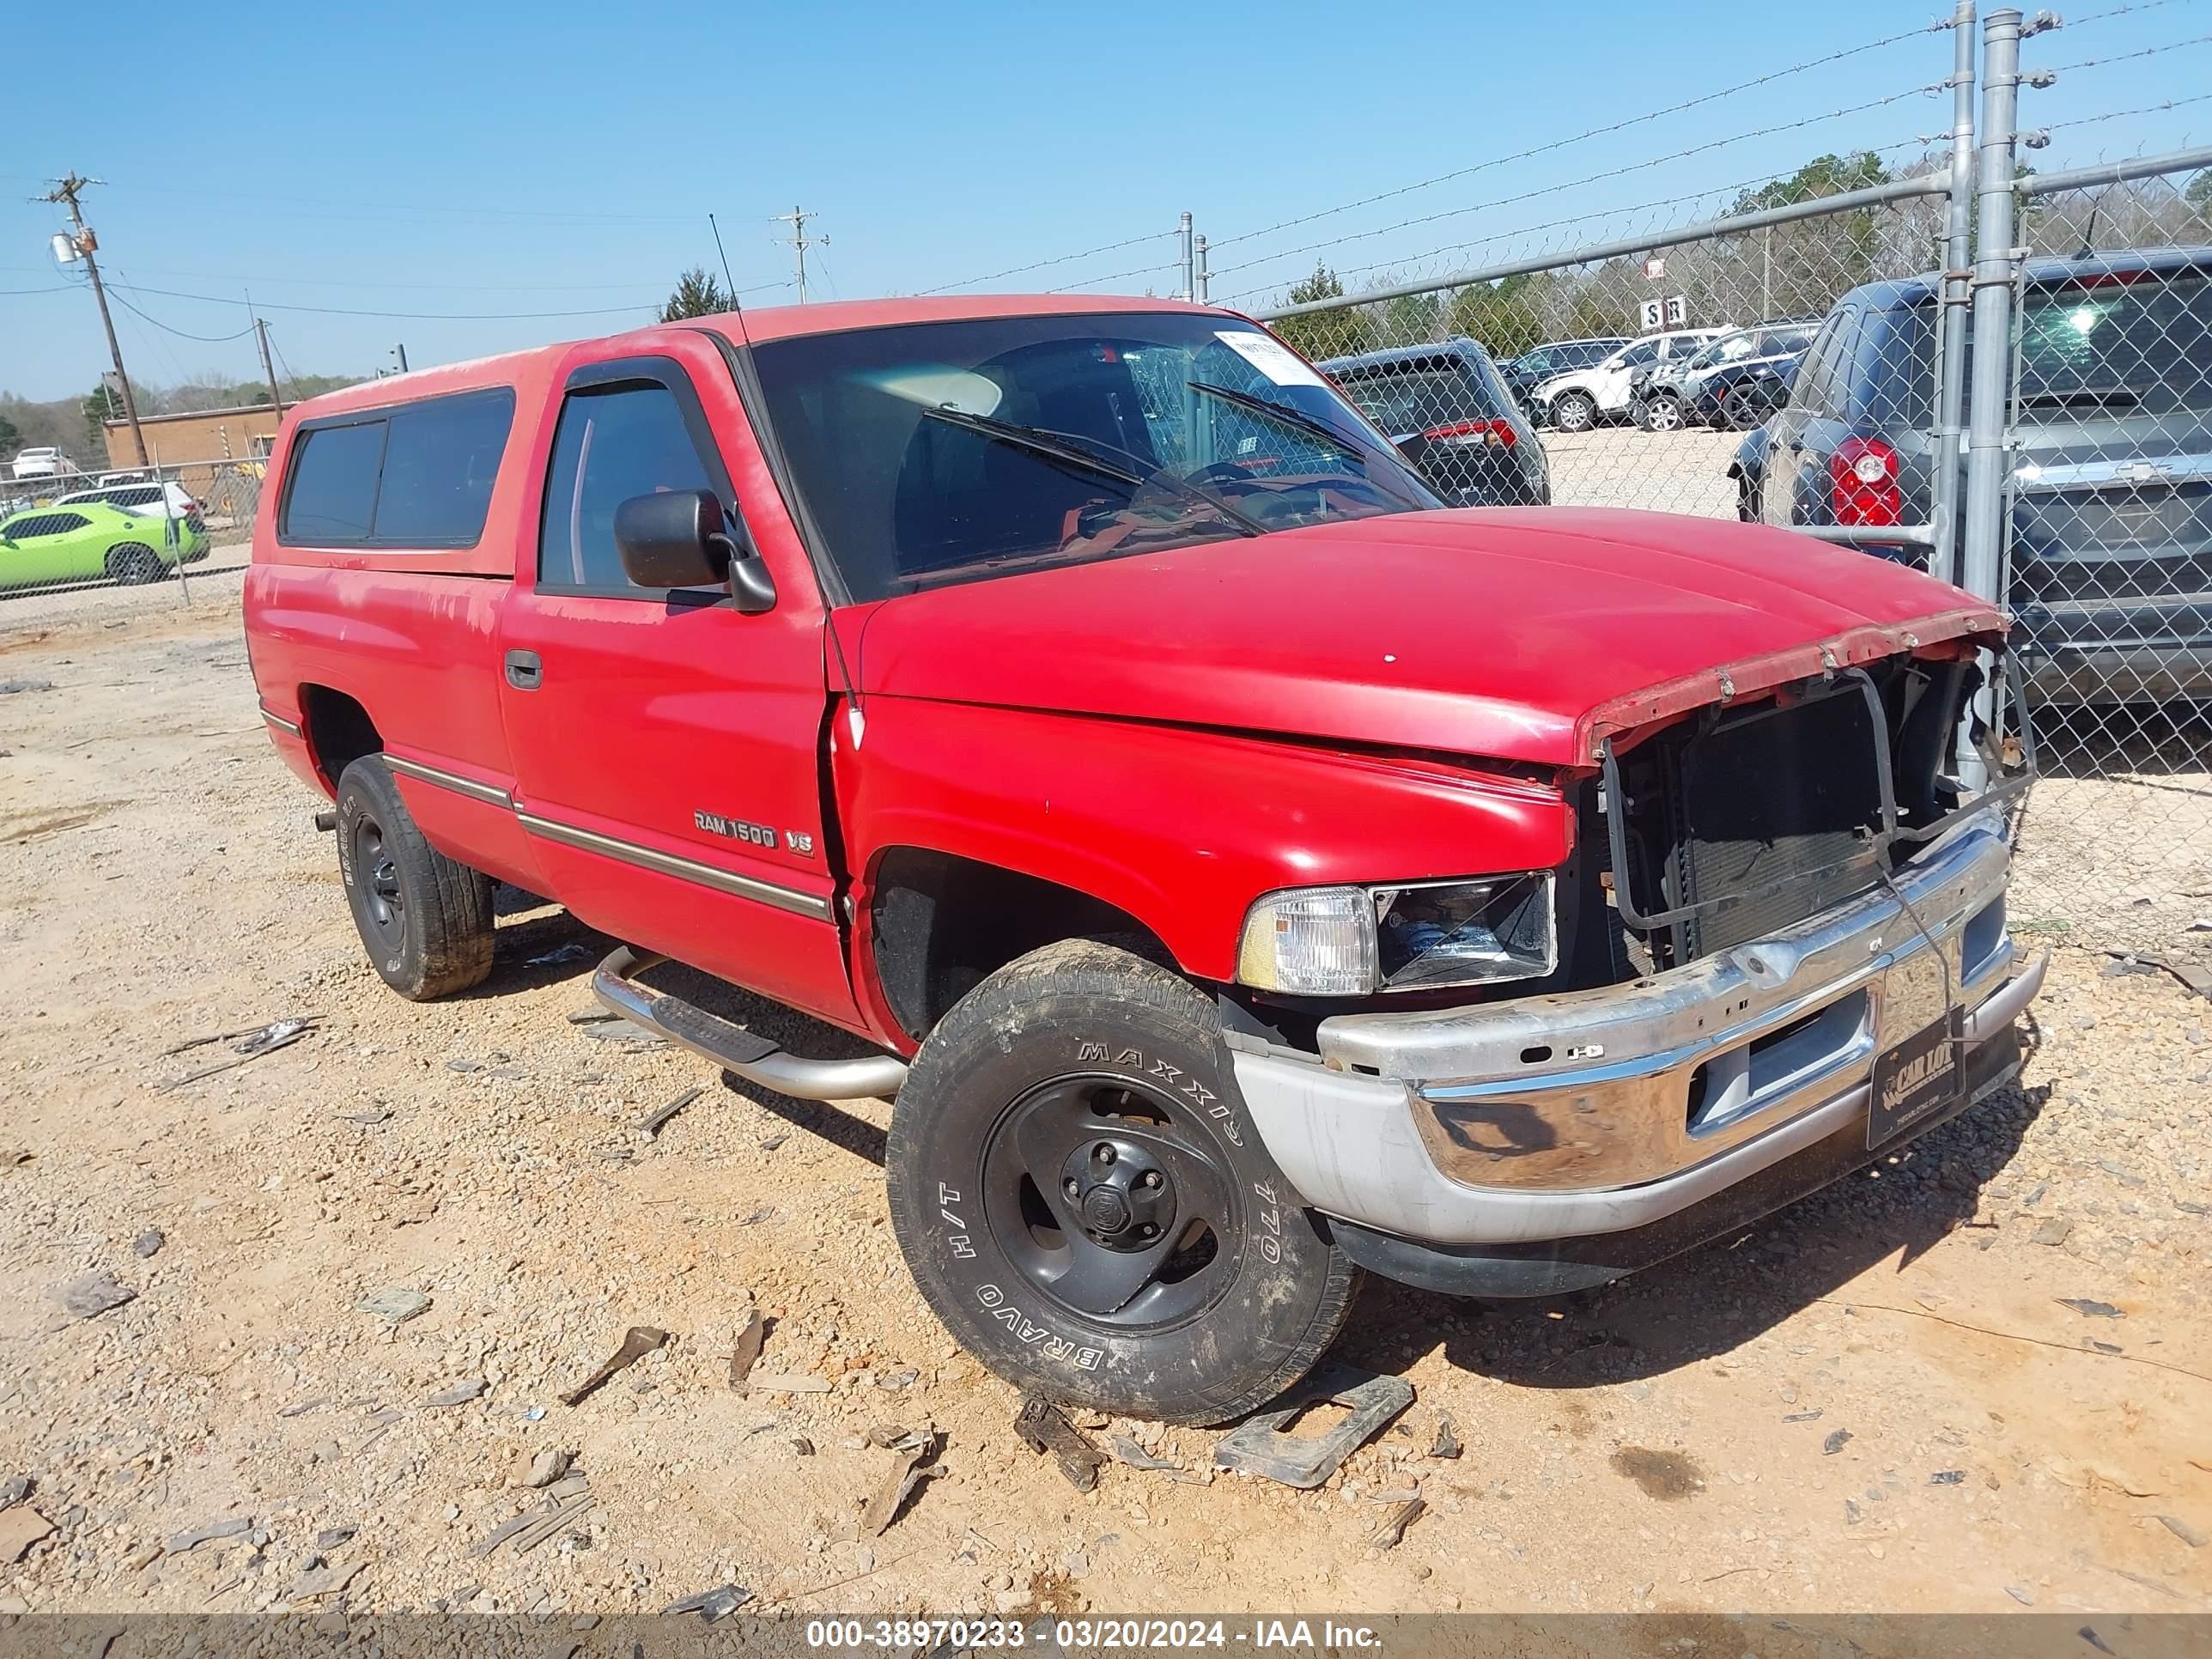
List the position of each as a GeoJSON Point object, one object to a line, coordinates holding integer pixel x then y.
{"type": "Point", "coordinates": [1523, 635]}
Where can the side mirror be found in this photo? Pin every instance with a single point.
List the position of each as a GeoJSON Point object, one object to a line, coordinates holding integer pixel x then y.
{"type": "Point", "coordinates": [677, 538]}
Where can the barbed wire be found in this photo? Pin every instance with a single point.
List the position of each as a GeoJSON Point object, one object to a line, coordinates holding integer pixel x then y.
{"type": "Point", "coordinates": [2119, 114]}
{"type": "Point", "coordinates": [1593, 132]}
{"type": "Point", "coordinates": [1595, 178]}
{"type": "Point", "coordinates": [1093, 282]}
{"type": "Point", "coordinates": [2118, 11]}
{"type": "Point", "coordinates": [2125, 56]}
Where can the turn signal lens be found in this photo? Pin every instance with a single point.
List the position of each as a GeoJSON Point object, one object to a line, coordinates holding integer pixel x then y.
{"type": "Point", "coordinates": [1316, 942]}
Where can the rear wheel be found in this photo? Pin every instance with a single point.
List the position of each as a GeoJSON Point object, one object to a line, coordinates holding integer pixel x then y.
{"type": "Point", "coordinates": [1740, 411]}
{"type": "Point", "coordinates": [132, 565]}
{"type": "Point", "coordinates": [1574, 411]}
{"type": "Point", "coordinates": [1085, 1202]}
{"type": "Point", "coordinates": [425, 919]}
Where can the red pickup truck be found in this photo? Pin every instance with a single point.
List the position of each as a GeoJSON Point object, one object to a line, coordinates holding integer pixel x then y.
{"type": "Point", "coordinates": [1243, 870]}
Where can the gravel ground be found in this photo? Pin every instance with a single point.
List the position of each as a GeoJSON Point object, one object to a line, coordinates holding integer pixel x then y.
{"type": "Point", "coordinates": [1880, 1399]}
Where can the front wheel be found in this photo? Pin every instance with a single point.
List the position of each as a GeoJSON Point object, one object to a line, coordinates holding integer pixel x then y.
{"type": "Point", "coordinates": [1663, 415]}
{"type": "Point", "coordinates": [1741, 411]}
{"type": "Point", "coordinates": [1574, 411]}
{"type": "Point", "coordinates": [1082, 1197]}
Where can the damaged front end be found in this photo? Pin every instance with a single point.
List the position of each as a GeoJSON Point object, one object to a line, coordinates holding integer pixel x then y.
{"type": "Point", "coordinates": [1782, 955]}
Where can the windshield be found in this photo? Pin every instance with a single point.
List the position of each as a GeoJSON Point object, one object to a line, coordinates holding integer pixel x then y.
{"type": "Point", "coordinates": [945, 452]}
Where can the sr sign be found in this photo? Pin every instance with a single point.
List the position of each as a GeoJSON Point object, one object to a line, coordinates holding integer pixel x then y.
{"type": "Point", "coordinates": [1670, 312]}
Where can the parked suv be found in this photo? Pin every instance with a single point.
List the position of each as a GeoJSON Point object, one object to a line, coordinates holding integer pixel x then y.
{"type": "Point", "coordinates": [1450, 415]}
{"type": "Point", "coordinates": [1736, 381]}
{"type": "Point", "coordinates": [1523, 374]}
{"type": "Point", "coordinates": [1584, 397]}
{"type": "Point", "coordinates": [1241, 872]}
{"type": "Point", "coordinates": [2111, 576]}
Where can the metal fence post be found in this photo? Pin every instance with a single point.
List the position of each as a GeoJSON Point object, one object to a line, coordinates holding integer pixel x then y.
{"type": "Point", "coordinates": [1957, 296]}
{"type": "Point", "coordinates": [1182, 235]}
{"type": "Point", "coordinates": [1197, 244]}
{"type": "Point", "coordinates": [1982, 551]}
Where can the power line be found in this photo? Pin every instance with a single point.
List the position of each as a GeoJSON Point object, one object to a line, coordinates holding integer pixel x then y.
{"type": "Point", "coordinates": [182, 334]}
{"type": "Point", "coordinates": [471, 211]}
{"type": "Point", "coordinates": [402, 316]}
{"type": "Point", "coordinates": [1594, 132]}
{"type": "Point", "coordinates": [1576, 184]}
{"type": "Point", "coordinates": [1042, 265]}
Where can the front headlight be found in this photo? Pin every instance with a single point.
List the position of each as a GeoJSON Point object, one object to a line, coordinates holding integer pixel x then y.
{"type": "Point", "coordinates": [1354, 941]}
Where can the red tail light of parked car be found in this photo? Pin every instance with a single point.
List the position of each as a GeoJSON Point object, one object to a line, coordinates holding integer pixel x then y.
{"type": "Point", "coordinates": [1863, 484]}
{"type": "Point", "coordinates": [1496, 434]}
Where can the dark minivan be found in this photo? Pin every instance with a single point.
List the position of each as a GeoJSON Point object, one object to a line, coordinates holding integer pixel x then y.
{"type": "Point", "coordinates": [1447, 409]}
{"type": "Point", "coordinates": [2111, 576]}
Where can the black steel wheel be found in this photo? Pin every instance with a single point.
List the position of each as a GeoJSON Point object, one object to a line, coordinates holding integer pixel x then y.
{"type": "Point", "coordinates": [424, 919]}
{"type": "Point", "coordinates": [1107, 1205]}
{"type": "Point", "coordinates": [1086, 1202]}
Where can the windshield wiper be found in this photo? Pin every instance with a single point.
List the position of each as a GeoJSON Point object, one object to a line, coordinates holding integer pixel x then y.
{"type": "Point", "coordinates": [1078, 451]}
{"type": "Point", "coordinates": [1289, 417]}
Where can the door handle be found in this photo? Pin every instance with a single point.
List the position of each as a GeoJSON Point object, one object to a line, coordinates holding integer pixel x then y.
{"type": "Point", "coordinates": [523, 671]}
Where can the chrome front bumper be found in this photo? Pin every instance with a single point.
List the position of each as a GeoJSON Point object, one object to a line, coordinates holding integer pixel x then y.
{"type": "Point", "coordinates": [1599, 1111]}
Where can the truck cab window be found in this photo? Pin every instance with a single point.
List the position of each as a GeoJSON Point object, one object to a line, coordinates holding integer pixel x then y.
{"type": "Point", "coordinates": [611, 444]}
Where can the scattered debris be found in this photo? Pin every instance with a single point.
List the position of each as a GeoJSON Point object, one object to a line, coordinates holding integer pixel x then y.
{"type": "Point", "coordinates": [1388, 1535]}
{"type": "Point", "coordinates": [331, 1538]}
{"type": "Point", "coordinates": [637, 1342]}
{"type": "Point", "coordinates": [2051, 1230]}
{"type": "Point", "coordinates": [538, 1469]}
{"type": "Point", "coordinates": [1446, 1444]}
{"type": "Point", "coordinates": [321, 1580]}
{"type": "Point", "coordinates": [796, 1384]}
{"type": "Point", "coordinates": [763, 1212]}
{"type": "Point", "coordinates": [301, 1408]}
{"type": "Point", "coordinates": [458, 1394]}
{"type": "Point", "coordinates": [745, 1348]}
{"type": "Point", "coordinates": [2197, 979]}
{"type": "Point", "coordinates": [262, 1040]}
{"type": "Point", "coordinates": [373, 1116]}
{"type": "Point", "coordinates": [2022, 1593]}
{"type": "Point", "coordinates": [2089, 1309]}
{"type": "Point", "coordinates": [802, 1446]}
{"type": "Point", "coordinates": [712, 1604]}
{"type": "Point", "coordinates": [774, 1141]}
{"type": "Point", "coordinates": [16, 1488]}
{"type": "Point", "coordinates": [653, 1123]}
{"type": "Point", "coordinates": [21, 1526]}
{"type": "Point", "coordinates": [1136, 1456]}
{"type": "Point", "coordinates": [1837, 1440]}
{"type": "Point", "coordinates": [912, 1463]}
{"type": "Point", "coordinates": [89, 1294]}
{"type": "Point", "coordinates": [886, 1435]}
{"type": "Point", "coordinates": [185, 1542]}
{"type": "Point", "coordinates": [564, 1503]}
{"type": "Point", "coordinates": [2193, 1537]}
{"type": "Point", "coordinates": [1260, 1447]}
{"type": "Point", "coordinates": [395, 1304]}
{"type": "Point", "coordinates": [592, 1016]}
{"type": "Point", "coordinates": [2094, 1640]}
{"type": "Point", "coordinates": [574, 950]}
{"type": "Point", "coordinates": [147, 1244]}
{"type": "Point", "coordinates": [1812, 1416]}
{"type": "Point", "coordinates": [13, 688]}
{"type": "Point", "coordinates": [904, 1378]}
{"type": "Point", "coordinates": [1046, 1429]}
{"type": "Point", "coordinates": [465, 1066]}
{"type": "Point", "coordinates": [1948, 1478]}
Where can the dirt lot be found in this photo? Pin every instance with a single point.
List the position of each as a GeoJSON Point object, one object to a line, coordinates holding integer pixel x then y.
{"type": "Point", "coordinates": [1880, 1399]}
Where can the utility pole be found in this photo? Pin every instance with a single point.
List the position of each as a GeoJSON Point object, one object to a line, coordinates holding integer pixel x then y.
{"type": "Point", "coordinates": [400, 352]}
{"type": "Point", "coordinates": [261, 332]}
{"type": "Point", "coordinates": [800, 241]}
{"type": "Point", "coordinates": [65, 191]}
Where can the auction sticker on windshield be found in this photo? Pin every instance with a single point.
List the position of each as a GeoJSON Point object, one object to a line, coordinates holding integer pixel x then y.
{"type": "Point", "coordinates": [1270, 356]}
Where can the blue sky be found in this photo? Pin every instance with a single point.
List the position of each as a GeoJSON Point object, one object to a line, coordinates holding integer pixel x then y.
{"type": "Point", "coordinates": [561, 157]}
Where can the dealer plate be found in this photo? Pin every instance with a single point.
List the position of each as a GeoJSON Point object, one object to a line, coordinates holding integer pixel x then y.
{"type": "Point", "coordinates": [1916, 1079]}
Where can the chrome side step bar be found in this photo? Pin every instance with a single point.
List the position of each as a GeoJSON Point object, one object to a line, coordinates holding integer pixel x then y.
{"type": "Point", "coordinates": [730, 1046]}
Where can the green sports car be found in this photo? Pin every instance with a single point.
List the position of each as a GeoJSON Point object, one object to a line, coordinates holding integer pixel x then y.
{"type": "Point", "coordinates": [88, 541]}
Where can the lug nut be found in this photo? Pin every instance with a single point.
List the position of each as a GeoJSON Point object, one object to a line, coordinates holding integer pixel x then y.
{"type": "Point", "coordinates": [1151, 1181]}
{"type": "Point", "coordinates": [1146, 1230]}
{"type": "Point", "coordinates": [1103, 1153]}
{"type": "Point", "coordinates": [1069, 1187]}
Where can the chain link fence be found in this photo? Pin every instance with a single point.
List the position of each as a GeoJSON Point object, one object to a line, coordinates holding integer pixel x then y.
{"type": "Point", "coordinates": [119, 538]}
